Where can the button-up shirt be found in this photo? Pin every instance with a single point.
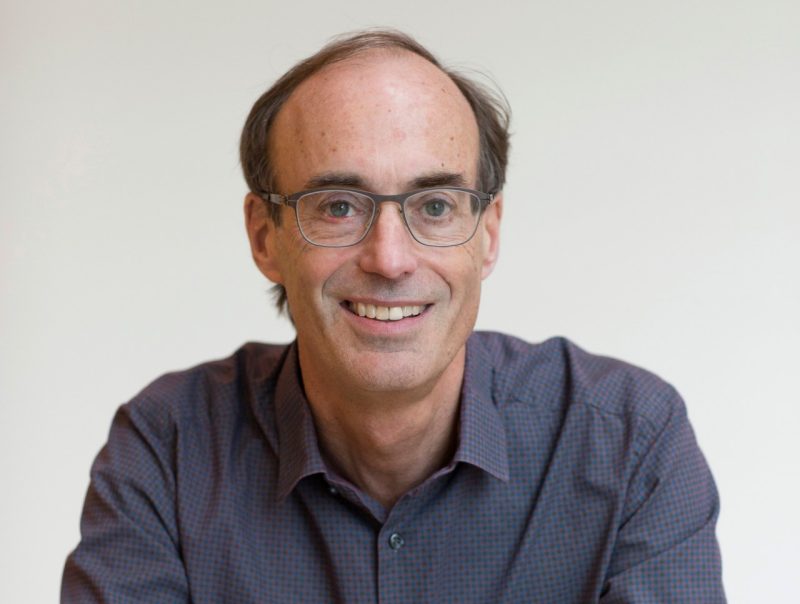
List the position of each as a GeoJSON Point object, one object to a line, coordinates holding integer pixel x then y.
{"type": "Point", "coordinates": [576, 478]}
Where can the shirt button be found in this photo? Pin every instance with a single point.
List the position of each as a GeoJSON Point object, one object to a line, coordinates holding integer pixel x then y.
{"type": "Point", "coordinates": [332, 490]}
{"type": "Point", "coordinates": [396, 541]}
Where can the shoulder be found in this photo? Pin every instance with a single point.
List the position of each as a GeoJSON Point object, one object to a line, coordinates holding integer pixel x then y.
{"type": "Point", "coordinates": [209, 391]}
{"type": "Point", "coordinates": [557, 373]}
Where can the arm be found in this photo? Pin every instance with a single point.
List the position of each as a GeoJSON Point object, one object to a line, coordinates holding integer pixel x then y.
{"type": "Point", "coordinates": [666, 549]}
{"type": "Point", "coordinates": [129, 549]}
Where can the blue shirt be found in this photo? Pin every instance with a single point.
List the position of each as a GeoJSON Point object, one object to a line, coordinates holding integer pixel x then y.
{"type": "Point", "coordinates": [576, 478]}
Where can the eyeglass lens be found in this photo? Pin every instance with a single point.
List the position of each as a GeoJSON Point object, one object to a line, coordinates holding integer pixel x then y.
{"type": "Point", "coordinates": [438, 217]}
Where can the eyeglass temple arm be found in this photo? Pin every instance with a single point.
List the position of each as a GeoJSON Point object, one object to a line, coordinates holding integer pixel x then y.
{"type": "Point", "coordinates": [276, 198]}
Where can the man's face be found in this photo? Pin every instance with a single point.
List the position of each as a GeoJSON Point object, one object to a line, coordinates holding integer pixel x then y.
{"type": "Point", "coordinates": [386, 123]}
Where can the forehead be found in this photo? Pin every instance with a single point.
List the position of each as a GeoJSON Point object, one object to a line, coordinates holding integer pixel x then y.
{"type": "Point", "coordinates": [387, 116]}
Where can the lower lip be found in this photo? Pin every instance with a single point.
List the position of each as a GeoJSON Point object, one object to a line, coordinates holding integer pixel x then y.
{"type": "Point", "coordinates": [385, 327]}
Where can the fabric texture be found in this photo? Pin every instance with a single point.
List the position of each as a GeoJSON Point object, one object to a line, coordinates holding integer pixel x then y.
{"type": "Point", "coordinates": [577, 478]}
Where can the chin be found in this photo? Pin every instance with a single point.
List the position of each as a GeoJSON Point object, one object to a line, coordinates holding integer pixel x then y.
{"type": "Point", "coordinates": [384, 374]}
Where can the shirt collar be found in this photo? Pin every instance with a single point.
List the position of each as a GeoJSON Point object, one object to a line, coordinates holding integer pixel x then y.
{"type": "Point", "coordinates": [482, 436]}
{"type": "Point", "coordinates": [298, 446]}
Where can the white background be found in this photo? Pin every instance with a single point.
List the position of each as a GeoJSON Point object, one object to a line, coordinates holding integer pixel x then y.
{"type": "Point", "coordinates": [651, 214]}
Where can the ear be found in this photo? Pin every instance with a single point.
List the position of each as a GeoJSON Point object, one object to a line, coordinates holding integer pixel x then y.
{"type": "Point", "coordinates": [261, 231]}
{"type": "Point", "coordinates": [491, 235]}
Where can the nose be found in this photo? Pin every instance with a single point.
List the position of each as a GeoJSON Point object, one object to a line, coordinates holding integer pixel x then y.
{"type": "Point", "coordinates": [389, 249]}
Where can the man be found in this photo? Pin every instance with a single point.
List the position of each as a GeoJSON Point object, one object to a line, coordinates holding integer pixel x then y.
{"type": "Point", "coordinates": [390, 454]}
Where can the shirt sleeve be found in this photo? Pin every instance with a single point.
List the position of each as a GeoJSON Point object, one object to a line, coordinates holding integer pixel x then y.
{"type": "Point", "coordinates": [666, 549]}
{"type": "Point", "coordinates": [129, 549]}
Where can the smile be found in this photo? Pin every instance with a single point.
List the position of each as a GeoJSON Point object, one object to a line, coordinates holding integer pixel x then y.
{"type": "Point", "coordinates": [384, 313]}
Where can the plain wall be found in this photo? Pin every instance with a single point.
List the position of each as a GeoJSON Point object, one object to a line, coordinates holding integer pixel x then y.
{"type": "Point", "coordinates": [651, 214]}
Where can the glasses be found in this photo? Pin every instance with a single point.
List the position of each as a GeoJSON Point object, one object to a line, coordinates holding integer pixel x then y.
{"type": "Point", "coordinates": [441, 217]}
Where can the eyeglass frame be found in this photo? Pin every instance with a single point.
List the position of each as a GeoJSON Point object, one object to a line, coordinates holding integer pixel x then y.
{"type": "Point", "coordinates": [291, 200]}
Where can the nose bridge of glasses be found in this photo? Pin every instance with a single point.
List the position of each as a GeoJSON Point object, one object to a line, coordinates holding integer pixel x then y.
{"type": "Point", "coordinates": [379, 222]}
{"type": "Point", "coordinates": [396, 200]}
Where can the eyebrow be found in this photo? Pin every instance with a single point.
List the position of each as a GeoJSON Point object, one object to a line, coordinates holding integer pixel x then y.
{"type": "Point", "coordinates": [336, 179]}
{"type": "Point", "coordinates": [439, 179]}
{"type": "Point", "coordinates": [353, 180]}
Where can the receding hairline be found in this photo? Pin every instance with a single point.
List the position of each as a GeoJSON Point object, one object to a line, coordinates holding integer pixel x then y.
{"type": "Point", "coordinates": [365, 56]}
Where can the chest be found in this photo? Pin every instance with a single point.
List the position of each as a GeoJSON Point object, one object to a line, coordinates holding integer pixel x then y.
{"type": "Point", "coordinates": [467, 538]}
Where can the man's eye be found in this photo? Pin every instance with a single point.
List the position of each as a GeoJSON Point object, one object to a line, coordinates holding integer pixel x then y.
{"type": "Point", "coordinates": [435, 208]}
{"type": "Point", "coordinates": [339, 209]}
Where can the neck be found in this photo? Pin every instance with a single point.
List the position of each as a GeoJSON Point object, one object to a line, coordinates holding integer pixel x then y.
{"type": "Point", "coordinates": [387, 442]}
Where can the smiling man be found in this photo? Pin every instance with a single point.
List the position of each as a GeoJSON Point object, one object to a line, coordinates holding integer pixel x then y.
{"type": "Point", "coordinates": [383, 295]}
{"type": "Point", "coordinates": [390, 453]}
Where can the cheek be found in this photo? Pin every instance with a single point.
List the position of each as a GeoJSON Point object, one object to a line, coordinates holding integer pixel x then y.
{"type": "Point", "coordinates": [473, 256]}
{"type": "Point", "coordinates": [473, 278]}
{"type": "Point", "coordinates": [310, 271]}
{"type": "Point", "coordinates": [295, 265]}
{"type": "Point", "coordinates": [462, 272]}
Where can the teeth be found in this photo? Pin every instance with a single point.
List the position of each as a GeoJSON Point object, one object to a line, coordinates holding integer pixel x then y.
{"type": "Point", "coordinates": [411, 311]}
{"type": "Point", "coordinates": [384, 313]}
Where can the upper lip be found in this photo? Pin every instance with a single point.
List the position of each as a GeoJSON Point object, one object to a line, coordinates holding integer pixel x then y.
{"type": "Point", "coordinates": [389, 303]}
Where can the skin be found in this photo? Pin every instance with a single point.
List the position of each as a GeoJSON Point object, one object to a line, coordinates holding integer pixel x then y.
{"type": "Point", "coordinates": [384, 395]}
